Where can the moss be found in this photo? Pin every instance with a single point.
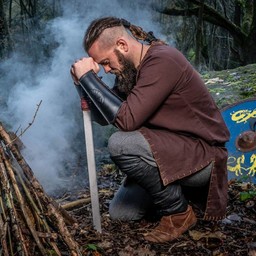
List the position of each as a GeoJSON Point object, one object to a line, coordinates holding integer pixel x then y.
{"type": "Point", "coordinates": [230, 86]}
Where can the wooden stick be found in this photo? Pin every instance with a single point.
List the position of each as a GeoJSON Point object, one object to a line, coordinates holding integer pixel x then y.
{"type": "Point", "coordinates": [71, 205]}
{"type": "Point", "coordinates": [38, 212]}
{"type": "Point", "coordinates": [29, 125]}
{"type": "Point", "coordinates": [12, 210]}
{"type": "Point", "coordinates": [3, 236]}
{"type": "Point", "coordinates": [24, 209]}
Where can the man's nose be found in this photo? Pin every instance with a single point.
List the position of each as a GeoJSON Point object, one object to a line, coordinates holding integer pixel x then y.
{"type": "Point", "coordinates": [107, 69]}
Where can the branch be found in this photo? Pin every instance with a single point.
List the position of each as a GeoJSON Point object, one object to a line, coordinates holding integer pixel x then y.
{"type": "Point", "coordinates": [6, 188]}
{"type": "Point", "coordinates": [22, 203]}
{"type": "Point", "coordinates": [24, 8]}
{"type": "Point", "coordinates": [209, 15]}
{"type": "Point", "coordinates": [29, 125]}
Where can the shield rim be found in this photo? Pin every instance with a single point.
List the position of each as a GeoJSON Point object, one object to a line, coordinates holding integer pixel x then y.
{"type": "Point", "coordinates": [236, 103]}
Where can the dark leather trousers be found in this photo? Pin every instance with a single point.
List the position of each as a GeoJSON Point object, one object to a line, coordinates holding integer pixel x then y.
{"type": "Point", "coordinates": [167, 199]}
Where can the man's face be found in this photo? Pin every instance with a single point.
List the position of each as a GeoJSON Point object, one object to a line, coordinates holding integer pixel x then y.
{"type": "Point", "coordinates": [113, 61]}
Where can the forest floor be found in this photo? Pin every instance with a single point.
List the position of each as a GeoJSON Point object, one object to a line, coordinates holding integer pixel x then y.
{"type": "Point", "coordinates": [234, 235]}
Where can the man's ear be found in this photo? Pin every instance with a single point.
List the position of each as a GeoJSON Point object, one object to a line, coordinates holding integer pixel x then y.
{"type": "Point", "coordinates": [122, 45]}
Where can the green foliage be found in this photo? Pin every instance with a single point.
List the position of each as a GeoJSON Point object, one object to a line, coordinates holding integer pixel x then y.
{"type": "Point", "coordinates": [92, 247]}
{"type": "Point", "coordinates": [52, 253]}
{"type": "Point", "coordinates": [191, 55]}
{"type": "Point", "coordinates": [246, 195]}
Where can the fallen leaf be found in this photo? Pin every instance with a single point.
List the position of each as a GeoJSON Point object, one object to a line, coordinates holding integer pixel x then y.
{"type": "Point", "coordinates": [197, 235]}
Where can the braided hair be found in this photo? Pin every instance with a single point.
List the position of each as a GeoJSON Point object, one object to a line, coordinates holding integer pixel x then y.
{"type": "Point", "coordinates": [99, 25]}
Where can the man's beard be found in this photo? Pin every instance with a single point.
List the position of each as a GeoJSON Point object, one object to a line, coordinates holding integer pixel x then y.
{"type": "Point", "coordinates": [126, 79]}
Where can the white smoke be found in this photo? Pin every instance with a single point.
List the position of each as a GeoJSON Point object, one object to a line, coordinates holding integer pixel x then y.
{"type": "Point", "coordinates": [50, 141]}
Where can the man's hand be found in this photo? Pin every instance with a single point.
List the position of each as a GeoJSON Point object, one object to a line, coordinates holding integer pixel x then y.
{"type": "Point", "coordinates": [82, 66]}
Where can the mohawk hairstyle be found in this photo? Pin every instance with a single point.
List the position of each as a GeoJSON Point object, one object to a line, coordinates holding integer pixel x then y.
{"type": "Point", "coordinates": [99, 25]}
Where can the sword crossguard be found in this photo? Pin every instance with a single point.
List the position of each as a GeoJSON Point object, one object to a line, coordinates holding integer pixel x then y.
{"type": "Point", "coordinates": [84, 105]}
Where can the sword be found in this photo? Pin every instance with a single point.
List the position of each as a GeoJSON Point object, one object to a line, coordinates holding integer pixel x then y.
{"type": "Point", "coordinates": [88, 132]}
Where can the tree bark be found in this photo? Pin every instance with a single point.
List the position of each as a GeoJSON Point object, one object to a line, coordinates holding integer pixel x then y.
{"type": "Point", "coordinates": [5, 43]}
{"type": "Point", "coordinates": [199, 34]}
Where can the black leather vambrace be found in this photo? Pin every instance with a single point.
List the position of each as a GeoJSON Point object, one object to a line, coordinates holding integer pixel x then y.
{"type": "Point", "coordinates": [104, 99]}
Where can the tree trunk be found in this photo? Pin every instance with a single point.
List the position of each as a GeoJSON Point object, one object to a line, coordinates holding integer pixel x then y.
{"type": "Point", "coordinates": [199, 35]}
{"type": "Point", "coordinates": [5, 45]}
{"type": "Point", "coordinates": [251, 45]}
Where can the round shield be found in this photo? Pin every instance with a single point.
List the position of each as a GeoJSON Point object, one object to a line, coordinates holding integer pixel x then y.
{"type": "Point", "coordinates": [240, 119]}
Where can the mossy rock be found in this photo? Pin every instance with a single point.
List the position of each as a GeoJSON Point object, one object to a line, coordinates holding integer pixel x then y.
{"type": "Point", "coordinates": [233, 85]}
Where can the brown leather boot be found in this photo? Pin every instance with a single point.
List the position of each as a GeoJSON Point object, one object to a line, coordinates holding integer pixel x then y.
{"type": "Point", "coordinates": [172, 226]}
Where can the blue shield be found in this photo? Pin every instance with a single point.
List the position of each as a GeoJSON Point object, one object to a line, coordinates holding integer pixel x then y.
{"type": "Point", "coordinates": [240, 119]}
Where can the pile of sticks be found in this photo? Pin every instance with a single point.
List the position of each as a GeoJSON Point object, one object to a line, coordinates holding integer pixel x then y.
{"type": "Point", "coordinates": [31, 223]}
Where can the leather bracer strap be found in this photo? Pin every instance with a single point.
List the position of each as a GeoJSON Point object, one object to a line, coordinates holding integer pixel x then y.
{"type": "Point", "coordinates": [104, 99]}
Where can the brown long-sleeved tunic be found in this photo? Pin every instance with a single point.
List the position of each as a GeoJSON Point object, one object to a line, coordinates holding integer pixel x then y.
{"type": "Point", "coordinates": [172, 108]}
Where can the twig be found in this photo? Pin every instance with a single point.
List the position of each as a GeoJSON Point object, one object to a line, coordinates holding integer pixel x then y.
{"type": "Point", "coordinates": [68, 219]}
{"type": "Point", "coordinates": [3, 234]}
{"type": "Point", "coordinates": [29, 124]}
{"type": "Point", "coordinates": [38, 213]}
{"type": "Point", "coordinates": [10, 205]}
{"type": "Point", "coordinates": [4, 230]}
{"type": "Point", "coordinates": [24, 209]}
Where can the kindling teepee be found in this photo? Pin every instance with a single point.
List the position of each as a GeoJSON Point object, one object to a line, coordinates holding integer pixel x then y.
{"type": "Point", "coordinates": [31, 223]}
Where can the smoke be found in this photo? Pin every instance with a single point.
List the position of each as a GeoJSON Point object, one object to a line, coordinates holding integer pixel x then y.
{"type": "Point", "coordinates": [55, 139]}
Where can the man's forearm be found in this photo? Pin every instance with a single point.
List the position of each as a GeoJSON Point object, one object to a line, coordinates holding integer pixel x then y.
{"type": "Point", "coordinates": [103, 98]}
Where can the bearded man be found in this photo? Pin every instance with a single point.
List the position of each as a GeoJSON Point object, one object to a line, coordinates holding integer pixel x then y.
{"type": "Point", "coordinates": [171, 136]}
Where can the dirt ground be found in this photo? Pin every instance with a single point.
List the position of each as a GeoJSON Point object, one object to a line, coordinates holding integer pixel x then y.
{"type": "Point", "coordinates": [234, 235]}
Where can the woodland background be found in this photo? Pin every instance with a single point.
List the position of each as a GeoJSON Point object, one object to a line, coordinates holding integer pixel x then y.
{"type": "Point", "coordinates": [213, 34]}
